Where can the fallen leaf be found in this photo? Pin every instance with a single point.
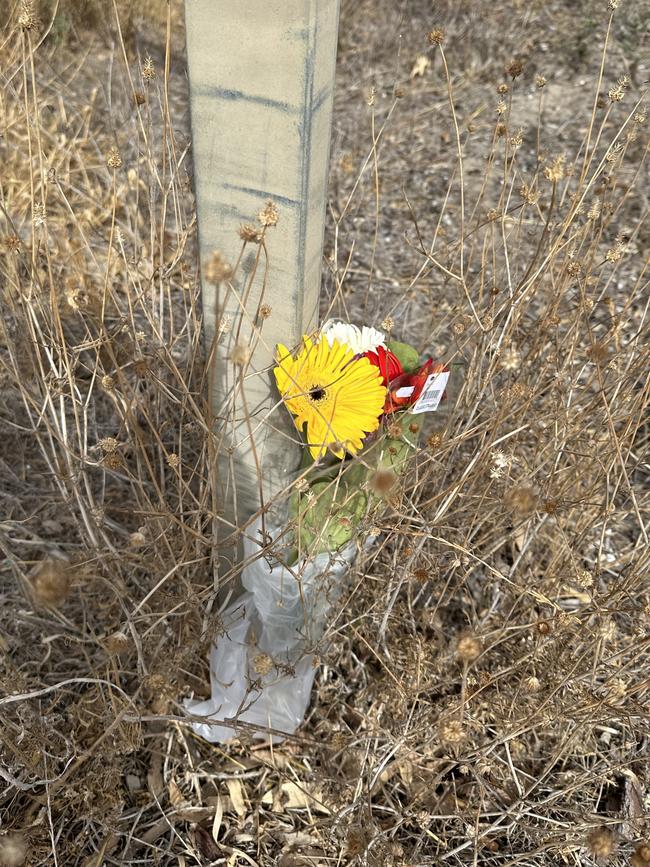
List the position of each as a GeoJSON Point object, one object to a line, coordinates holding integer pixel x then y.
{"type": "Point", "coordinates": [291, 796]}
{"type": "Point", "coordinates": [176, 798]}
{"type": "Point", "coordinates": [194, 814]}
{"type": "Point", "coordinates": [237, 798]}
{"type": "Point", "coordinates": [218, 816]}
{"type": "Point", "coordinates": [205, 844]}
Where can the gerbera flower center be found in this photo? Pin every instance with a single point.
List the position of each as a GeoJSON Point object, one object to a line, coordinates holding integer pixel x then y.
{"type": "Point", "coordinates": [316, 393]}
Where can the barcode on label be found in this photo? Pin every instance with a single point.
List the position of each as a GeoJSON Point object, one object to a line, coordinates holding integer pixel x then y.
{"type": "Point", "coordinates": [431, 393]}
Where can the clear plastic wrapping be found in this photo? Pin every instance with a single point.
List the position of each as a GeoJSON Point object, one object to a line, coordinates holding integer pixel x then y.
{"type": "Point", "coordinates": [261, 668]}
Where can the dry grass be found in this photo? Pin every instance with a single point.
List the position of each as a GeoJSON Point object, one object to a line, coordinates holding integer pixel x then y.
{"type": "Point", "coordinates": [484, 691]}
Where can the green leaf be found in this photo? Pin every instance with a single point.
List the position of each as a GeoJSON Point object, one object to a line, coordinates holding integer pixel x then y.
{"type": "Point", "coordinates": [408, 357]}
{"type": "Point", "coordinates": [328, 519]}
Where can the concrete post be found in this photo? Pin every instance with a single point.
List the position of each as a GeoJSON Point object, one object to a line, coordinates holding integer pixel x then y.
{"type": "Point", "coordinates": [261, 87]}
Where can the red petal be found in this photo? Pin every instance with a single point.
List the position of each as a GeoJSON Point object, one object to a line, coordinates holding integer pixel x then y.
{"type": "Point", "coordinates": [388, 364]}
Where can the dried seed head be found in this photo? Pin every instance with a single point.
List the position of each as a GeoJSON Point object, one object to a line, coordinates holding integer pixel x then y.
{"type": "Point", "coordinates": [435, 441]}
{"type": "Point", "coordinates": [113, 461]}
{"type": "Point", "coordinates": [435, 36]}
{"type": "Point", "coordinates": [540, 81]}
{"type": "Point", "coordinates": [394, 430]}
{"type": "Point", "coordinates": [521, 500]}
{"type": "Point", "coordinates": [338, 741]}
{"type": "Point", "coordinates": [12, 243]}
{"type": "Point", "coordinates": [269, 216]}
{"type": "Point", "coordinates": [510, 359]}
{"type": "Point", "coordinates": [117, 643]}
{"type": "Point", "coordinates": [601, 843]}
{"type": "Point", "coordinates": [585, 578]}
{"type": "Point", "coordinates": [250, 234]}
{"type": "Point", "coordinates": [173, 461]}
{"type": "Point", "coordinates": [451, 731]}
{"type": "Point", "coordinates": [641, 856]}
{"type": "Point", "coordinates": [148, 69]}
{"type": "Point", "coordinates": [515, 68]}
{"type": "Point", "coordinates": [555, 171]}
{"type": "Point", "coordinates": [388, 323]}
{"type": "Point", "coordinates": [382, 482]}
{"type": "Point", "coordinates": [468, 648]}
{"type": "Point", "coordinates": [138, 539]}
{"type": "Point", "coordinates": [241, 354]}
{"type": "Point", "coordinates": [532, 683]}
{"type": "Point", "coordinates": [51, 582]}
{"type": "Point", "coordinates": [503, 88]}
{"type": "Point", "coordinates": [108, 383]}
{"type": "Point", "coordinates": [13, 850]}
{"type": "Point", "coordinates": [617, 93]}
{"type": "Point", "coordinates": [27, 19]}
{"type": "Point", "coordinates": [265, 311]}
{"type": "Point", "coordinates": [598, 352]}
{"type": "Point", "coordinates": [39, 214]}
{"type": "Point", "coordinates": [113, 160]}
{"type": "Point", "coordinates": [520, 389]}
{"type": "Point", "coordinates": [262, 664]}
{"type": "Point", "coordinates": [216, 269]}
{"type": "Point", "coordinates": [109, 444]}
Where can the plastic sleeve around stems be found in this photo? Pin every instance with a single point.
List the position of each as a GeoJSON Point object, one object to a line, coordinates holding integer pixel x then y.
{"type": "Point", "coordinates": [282, 614]}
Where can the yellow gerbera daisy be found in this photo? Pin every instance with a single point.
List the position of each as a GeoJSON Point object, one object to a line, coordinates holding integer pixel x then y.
{"type": "Point", "coordinates": [339, 397]}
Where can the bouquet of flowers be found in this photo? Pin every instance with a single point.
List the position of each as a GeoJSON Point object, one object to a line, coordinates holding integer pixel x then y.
{"type": "Point", "coordinates": [352, 391]}
{"type": "Point", "coordinates": [354, 396]}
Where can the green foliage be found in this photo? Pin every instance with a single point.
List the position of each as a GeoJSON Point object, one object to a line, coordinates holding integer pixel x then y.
{"type": "Point", "coordinates": [328, 515]}
{"type": "Point", "coordinates": [329, 512]}
{"type": "Point", "coordinates": [408, 357]}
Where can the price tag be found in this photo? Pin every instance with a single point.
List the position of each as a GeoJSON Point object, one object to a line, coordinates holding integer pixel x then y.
{"type": "Point", "coordinates": [432, 392]}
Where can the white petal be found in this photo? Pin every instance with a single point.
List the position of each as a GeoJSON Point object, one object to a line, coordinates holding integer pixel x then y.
{"type": "Point", "coordinates": [371, 338]}
{"type": "Point", "coordinates": [358, 340]}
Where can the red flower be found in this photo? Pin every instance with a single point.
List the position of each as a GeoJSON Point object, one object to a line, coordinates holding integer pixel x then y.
{"type": "Point", "coordinates": [388, 364]}
{"type": "Point", "coordinates": [405, 390]}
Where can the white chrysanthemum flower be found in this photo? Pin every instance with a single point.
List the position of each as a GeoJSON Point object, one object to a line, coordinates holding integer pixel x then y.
{"type": "Point", "coordinates": [359, 340]}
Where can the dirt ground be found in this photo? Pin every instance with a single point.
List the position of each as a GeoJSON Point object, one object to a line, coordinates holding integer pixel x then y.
{"type": "Point", "coordinates": [482, 695]}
